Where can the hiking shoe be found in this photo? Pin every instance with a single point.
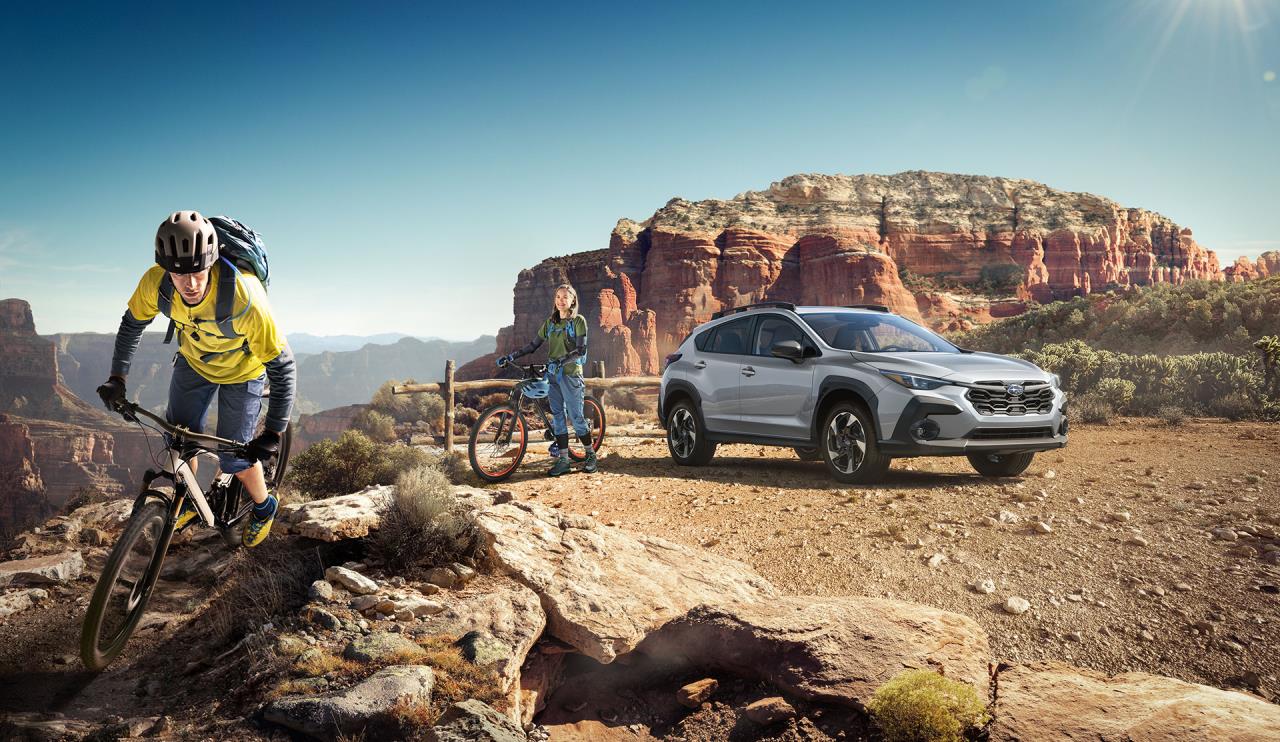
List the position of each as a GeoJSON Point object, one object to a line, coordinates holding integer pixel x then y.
{"type": "Point", "coordinates": [185, 516]}
{"type": "Point", "coordinates": [259, 525]}
{"type": "Point", "coordinates": [589, 464]}
{"type": "Point", "coordinates": [562, 466]}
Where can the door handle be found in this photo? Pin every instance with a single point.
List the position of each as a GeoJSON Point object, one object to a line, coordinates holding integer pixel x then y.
{"type": "Point", "coordinates": [700, 365]}
{"type": "Point", "coordinates": [748, 371]}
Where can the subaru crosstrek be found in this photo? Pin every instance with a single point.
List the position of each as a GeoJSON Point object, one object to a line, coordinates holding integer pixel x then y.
{"type": "Point", "coordinates": [855, 387]}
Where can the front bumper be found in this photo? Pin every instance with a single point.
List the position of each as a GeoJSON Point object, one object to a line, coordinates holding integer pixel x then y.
{"type": "Point", "coordinates": [944, 422]}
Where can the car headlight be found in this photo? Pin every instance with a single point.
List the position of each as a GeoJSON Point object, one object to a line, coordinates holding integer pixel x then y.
{"type": "Point", "coordinates": [911, 381]}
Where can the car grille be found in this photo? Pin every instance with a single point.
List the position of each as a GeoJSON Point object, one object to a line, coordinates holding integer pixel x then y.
{"type": "Point", "coordinates": [1002, 434]}
{"type": "Point", "coordinates": [991, 398]}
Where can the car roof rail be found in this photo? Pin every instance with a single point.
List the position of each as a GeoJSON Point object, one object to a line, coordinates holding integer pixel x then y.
{"type": "Point", "coordinates": [764, 304]}
{"type": "Point", "coordinates": [872, 307]}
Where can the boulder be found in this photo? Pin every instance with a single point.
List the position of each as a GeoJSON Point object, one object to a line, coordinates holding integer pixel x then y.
{"type": "Point", "coordinates": [475, 721]}
{"type": "Point", "coordinates": [604, 589]}
{"type": "Point", "coordinates": [337, 518]}
{"type": "Point", "coordinates": [1054, 702]}
{"type": "Point", "coordinates": [20, 600]}
{"type": "Point", "coordinates": [42, 570]}
{"type": "Point", "coordinates": [381, 646]}
{"type": "Point", "coordinates": [828, 649]}
{"type": "Point", "coordinates": [503, 619]}
{"type": "Point", "coordinates": [766, 711]}
{"type": "Point", "coordinates": [695, 694]}
{"type": "Point", "coordinates": [365, 707]}
{"type": "Point", "coordinates": [353, 581]}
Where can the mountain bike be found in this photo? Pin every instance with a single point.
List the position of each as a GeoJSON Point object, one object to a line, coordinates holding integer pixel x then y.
{"type": "Point", "coordinates": [134, 564]}
{"type": "Point", "coordinates": [500, 436]}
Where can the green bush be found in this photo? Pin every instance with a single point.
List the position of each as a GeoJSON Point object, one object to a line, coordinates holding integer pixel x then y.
{"type": "Point", "coordinates": [351, 463]}
{"type": "Point", "coordinates": [1196, 316]}
{"type": "Point", "coordinates": [408, 408]}
{"type": "Point", "coordinates": [1001, 277]}
{"type": "Point", "coordinates": [1116, 392]}
{"type": "Point", "coordinates": [377, 425]}
{"type": "Point", "coordinates": [424, 525]}
{"type": "Point", "coordinates": [923, 706]}
{"type": "Point", "coordinates": [1171, 414]}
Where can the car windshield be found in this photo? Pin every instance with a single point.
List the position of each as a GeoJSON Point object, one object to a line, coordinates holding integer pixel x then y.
{"type": "Point", "coordinates": [870, 332]}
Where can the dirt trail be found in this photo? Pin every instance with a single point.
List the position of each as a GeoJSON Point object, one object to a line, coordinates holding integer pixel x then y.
{"type": "Point", "coordinates": [1124, 575]}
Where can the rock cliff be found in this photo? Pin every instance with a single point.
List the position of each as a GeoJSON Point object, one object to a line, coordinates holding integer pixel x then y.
{"type": "Point", "coordinates": [942, 248]}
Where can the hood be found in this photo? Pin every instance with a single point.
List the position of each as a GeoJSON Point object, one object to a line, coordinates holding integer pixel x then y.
{"type": "Point", "coordinates": [956, 366]}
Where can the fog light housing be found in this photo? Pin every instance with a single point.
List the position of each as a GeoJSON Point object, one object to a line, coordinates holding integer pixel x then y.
{"type": "Point", "coordinates": [1062, 429]}
{"type": "Point", "coordinates": [925, 430]}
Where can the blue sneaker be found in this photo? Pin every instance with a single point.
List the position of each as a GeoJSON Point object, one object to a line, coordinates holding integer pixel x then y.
{"type": "Point", "coordinates": [554, 451]}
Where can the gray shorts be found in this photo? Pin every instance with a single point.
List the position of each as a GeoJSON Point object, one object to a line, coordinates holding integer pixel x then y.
{"type": "Point", "coordinates": [190, 396]}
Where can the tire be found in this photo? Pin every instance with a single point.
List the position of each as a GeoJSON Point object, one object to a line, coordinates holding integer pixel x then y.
{"type": "Point", "coordinates": [808, 454]}
{"type": "Point", "coordinates": [133, 566]}
{"type": "Point", "coordinates": [594, 412]}
{"type": "Point", "coordinates": [497, 456]}
{"type": "Point", "coordinates": [1001, 464]}
{"type": "Point", "coordinates": [848, 445]}
{"type": "Point", "coordinates": [687, 436]}
{"type": "Point", "coordinates": [281, 462]}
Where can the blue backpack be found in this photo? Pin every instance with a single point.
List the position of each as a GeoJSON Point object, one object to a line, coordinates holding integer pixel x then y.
{"type": "Point", "coordinates": [239, 248]}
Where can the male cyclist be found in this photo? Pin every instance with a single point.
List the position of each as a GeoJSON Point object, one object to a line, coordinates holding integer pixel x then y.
{"type": "Point", "coordinates": [236, 368]}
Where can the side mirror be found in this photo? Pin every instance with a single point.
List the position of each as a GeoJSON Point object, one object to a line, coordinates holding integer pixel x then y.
{"type": "Point", "coordinates": [789, 349]}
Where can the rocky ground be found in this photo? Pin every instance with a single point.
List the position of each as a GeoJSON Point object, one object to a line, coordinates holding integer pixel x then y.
{"type": "Point", "coordinates": [1140, 546]}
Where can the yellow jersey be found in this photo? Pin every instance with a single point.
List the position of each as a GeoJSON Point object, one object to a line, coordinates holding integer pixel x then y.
{"type": "Point", "coordinates": [219, 359]}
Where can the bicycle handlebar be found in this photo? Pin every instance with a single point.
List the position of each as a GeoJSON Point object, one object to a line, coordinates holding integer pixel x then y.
{"type": "Point", "coordinates": [131, 410]}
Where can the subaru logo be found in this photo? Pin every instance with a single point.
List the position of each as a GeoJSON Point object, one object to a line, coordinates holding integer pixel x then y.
{"type": "Point", "coordinates": [1014, 390]}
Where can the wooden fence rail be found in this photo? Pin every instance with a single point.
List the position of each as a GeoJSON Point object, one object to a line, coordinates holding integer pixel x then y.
{"type": "Point", "coordinates": [449, 389]}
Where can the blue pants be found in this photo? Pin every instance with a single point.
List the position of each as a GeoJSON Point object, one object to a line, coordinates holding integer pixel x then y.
{"type": "Point", "coordinates": [190, 395]}
{"type": "Point", "coordinates": [566, 394]}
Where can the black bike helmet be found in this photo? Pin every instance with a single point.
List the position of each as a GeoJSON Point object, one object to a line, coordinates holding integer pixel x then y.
{"type": "Point", "coordinates": [186, 243]}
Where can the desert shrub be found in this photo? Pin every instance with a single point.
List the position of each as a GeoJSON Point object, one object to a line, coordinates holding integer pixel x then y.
{"type": "Point", "coordinates": [1171, 414]}
{"type": "Point", "coordinates": [923, 706]}
{"type": "Point", "coordinates": [351, 463]}
{"type": "Point", "coordinates": [1001, 277]}
{"type": "Point", "coordinates": [1090, 408]}
{"type": "Point", "coordinates": [616, 416]}
{"type": "Point", "coordinates": [453, 465]}
{"type": "Point", "coordinates": [423, 525]}
{"type": "Point", "coordinates": [1116, 392]}
{"type": "Point", "coordinates": [1234, 407]}
{"type": "Point", "coordinates": [407, 408]}
{"type": "Point", "coordinates": [486, 401]}
{"type": "Point", "coordinates": [465, 416]}
{"type": "Point", "coordinates": [378, 426]}
{"type": "Point", "coordinates": [262, 585]}
{"type": "Point", "coordinates": [625, 399]}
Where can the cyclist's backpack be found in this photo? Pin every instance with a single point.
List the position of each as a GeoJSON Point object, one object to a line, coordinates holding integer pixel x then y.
{"type": "Point", "coordinates": [239, 248]}
{"type": "Point", "coordinates": [572, 333]}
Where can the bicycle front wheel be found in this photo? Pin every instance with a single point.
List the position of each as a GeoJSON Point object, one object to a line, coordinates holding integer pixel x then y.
{"type": "Point", "coordinates": [498, 441]}
{"type": "Point", "coordinates": [593, 411]}
{"type": "Point", "coordinates": [125, 585]}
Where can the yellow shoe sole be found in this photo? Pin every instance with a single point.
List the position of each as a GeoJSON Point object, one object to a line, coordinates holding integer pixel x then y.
{"type": "Point", "coordinates": [262, 535]}
{"type": "Point", "coordinates": [184, 519]}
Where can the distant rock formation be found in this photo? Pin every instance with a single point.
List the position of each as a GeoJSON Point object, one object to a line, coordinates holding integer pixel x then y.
{"type": "Point", "coordinates": [1267, 264]}
{"type": "Point", "coordinates": [52, 443]}
{"type": "Point", "coordinates": [897, 240]}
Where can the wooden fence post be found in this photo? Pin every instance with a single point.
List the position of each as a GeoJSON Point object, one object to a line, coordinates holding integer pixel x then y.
{"type": "Point", "coordinates": [599, 369]}
{"type": "Point", "coordinates": [448, 406]}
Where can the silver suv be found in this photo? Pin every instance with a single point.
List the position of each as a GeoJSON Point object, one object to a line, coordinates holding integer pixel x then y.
{"type": "Point", "coordinates": [856, 387]}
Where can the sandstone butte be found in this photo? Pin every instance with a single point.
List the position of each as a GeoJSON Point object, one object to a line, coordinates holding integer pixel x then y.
{"type": "Point", "coordinates": [836, 239]}
{"type": "Point", "coordinates": [52, 443]}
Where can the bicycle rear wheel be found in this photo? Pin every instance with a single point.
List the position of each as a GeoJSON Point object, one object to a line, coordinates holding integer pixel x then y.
{"type": "Point", "coordinates": [593, 411]}
{"type": "Point", "coordinates": [497, 444]}
{"type": "Point", "coordinates": [125, 585]}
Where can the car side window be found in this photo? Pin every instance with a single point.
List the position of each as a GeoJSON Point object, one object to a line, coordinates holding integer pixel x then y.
{"type": "Point", "coordinates": [703, 339]}
{"type": "Point", "coordinates": [773, 330]}
{"type": "Point", "coordinates": [732, 337]}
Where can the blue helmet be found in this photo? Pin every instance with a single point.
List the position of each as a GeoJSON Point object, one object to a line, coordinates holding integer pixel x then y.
{"type": "Point", "coordinates": [535, 388]}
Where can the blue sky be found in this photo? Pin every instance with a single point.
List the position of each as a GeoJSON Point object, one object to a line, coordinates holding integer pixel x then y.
{"type": "Point", "coordinates": [405, 161]}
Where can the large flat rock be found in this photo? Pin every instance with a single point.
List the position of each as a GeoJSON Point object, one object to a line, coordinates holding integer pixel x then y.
{"type": "Point", "coordinates": [605, 589]}
{"type": "Point", "coordinates": [1052, 702]}
{"type": "Point", "coordinates": [42, 570]}
{"type": "Point", "coordinates": [832, 649]}
{"type": "Point", "coordinates": [337, 518]}
{"type": "Point", "coordinates": [364, 708]}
